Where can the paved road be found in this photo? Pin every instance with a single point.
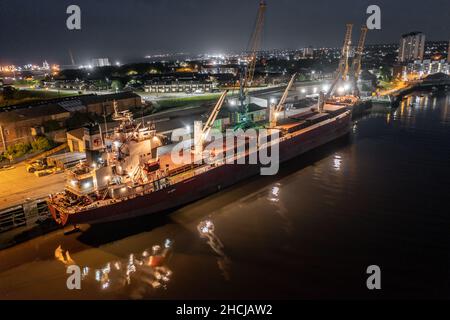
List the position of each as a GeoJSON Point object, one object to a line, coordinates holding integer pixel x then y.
{"type": "Point", "coordinates": [16, 185]}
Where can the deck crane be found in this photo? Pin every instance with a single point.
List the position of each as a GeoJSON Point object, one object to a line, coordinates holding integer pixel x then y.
{"type": "Point", "coordinates": [247, 73]}
{"type": "Point", "coordinates": [356, 65]}
{"type": "Point", "coordinates": [201, 135]}
{"type": "Point", "coordinates": [275, 111]}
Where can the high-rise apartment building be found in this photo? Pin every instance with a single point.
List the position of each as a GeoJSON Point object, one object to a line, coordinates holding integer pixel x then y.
{"type": "Point", "coordinates": [412, 47]}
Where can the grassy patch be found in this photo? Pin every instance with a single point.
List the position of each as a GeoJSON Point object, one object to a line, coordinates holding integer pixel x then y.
{"type": "Point", "coordinates": [21, 96]}
{"type": "Point", "coordinates": [185, 101]}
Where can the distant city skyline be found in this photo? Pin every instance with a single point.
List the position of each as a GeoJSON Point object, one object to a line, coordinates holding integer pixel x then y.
{"type": "Point", "coordinates": [32, 33]}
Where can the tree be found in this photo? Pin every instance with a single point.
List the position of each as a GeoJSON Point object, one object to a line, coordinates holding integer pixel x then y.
{"type": "Point", "coordinates": [9, 92]}
{"type": "Point", "coordinates": [41, 144]}
{"type": "Point", "coordinates": [385, 74]}
{"type": "Point", "coordinates": [116, 85]}
{"type": "Point", "coordinates": [18, 150]}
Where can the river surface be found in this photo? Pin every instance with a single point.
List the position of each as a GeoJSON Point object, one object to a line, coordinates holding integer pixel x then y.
{"type": "Point", "coordinates": [378, 197]}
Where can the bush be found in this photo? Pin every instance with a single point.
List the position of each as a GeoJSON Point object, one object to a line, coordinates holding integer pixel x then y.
{"type": "Point", "coordinates": [42, 144]}
{"type": "Point", "coordinates": [20, 149]}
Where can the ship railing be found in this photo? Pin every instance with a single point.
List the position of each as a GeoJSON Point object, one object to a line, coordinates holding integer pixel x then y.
{"type": "Point", "coordinates": [79, 175]}
{"type": "Point", "coordinates": [12, 218]}
{"type": "Point", "coordinates": [28, 213]}
{"type": "Point", "coordinates": [79, 192]}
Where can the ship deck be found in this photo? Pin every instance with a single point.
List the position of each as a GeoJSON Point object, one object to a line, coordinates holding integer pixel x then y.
{"type": "Point", "coordinates": [173, 171]}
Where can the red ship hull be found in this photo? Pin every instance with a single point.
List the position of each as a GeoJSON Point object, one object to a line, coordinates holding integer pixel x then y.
{"type": "Point", "coordinates": [205, 184]}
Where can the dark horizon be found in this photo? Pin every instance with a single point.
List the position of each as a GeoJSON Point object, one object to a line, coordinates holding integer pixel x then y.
{"type": "Point", "coordinates": [31, 32]}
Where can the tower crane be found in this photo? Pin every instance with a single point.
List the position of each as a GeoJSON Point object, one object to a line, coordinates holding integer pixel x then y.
{"type": "Point", "coordinates": [356, 65]}
{"type": "Point", "coordinates": [200, 137]}
{"type": "Point", "coordinates": [277, 109]}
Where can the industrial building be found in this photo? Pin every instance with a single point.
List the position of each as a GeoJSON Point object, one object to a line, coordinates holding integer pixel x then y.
{"type": "Point", "coordinates": [20, 123]}
{"type": "Point", "coordinates": [179, 86]}
{"type": "Point", "coordinates": [100, 62]}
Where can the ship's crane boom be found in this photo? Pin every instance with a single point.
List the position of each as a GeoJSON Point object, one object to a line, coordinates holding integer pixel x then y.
{"type": "Point", "coordinates": [201, 132]}
{"type": "Point", "coordinates": [274, 113]}
{"type": "Point", "coordinates": [285, 94]}
{"type": "Point", "coordinates": [213, 116]}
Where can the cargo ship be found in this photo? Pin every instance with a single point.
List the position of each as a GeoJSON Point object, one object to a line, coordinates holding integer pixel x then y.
{"type": "Point", "coordinates": [127, 173]}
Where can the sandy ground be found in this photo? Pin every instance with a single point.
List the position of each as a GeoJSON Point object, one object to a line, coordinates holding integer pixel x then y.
{"type": "Point", "coordinates": [16, 185]}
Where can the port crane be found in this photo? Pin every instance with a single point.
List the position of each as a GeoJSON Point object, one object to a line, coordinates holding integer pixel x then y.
{"type": "Point", "coordinates": [344, 71]}
{"type": "Point", "coordinates": [247, 73]}
{"type": "Point", "coordinates": [255, 42]}
{"type": "Point", "coordinates": [275, 111]}
{"type": "Point", "coordinates": [356, 65]}
{"type": "Point", "coordinates": [201, 135]}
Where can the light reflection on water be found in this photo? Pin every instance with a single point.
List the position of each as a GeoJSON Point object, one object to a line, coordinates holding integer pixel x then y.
{"type": "Point", "coordinates": [206, 230]}
{"type": "Point", "coordinates": [144, 271]}
{"type": "Point", "coordinates": [309, 232]}
{"type": "Point", "coordinates": [337, 162]}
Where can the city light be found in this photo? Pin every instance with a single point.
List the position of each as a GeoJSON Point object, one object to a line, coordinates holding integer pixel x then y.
{"type": "Point", "coordinates": [87, 185]}
{"type": "Point", "coordinates": [178, 121]}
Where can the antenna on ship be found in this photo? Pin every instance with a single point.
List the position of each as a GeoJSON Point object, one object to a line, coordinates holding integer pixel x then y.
{"type": "Point", "coordinates": [116, 113]}
{"type": "Point", "coordinates": [104, 119]}
{"type": "Point", "coordinates": [101, 134]}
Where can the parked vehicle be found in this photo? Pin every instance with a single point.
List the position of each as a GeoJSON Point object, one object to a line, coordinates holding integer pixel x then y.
{"type": "Point", "coordinates": [36, 165]}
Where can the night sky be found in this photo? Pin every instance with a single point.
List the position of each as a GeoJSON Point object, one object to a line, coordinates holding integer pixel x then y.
{"type": "Point", "coordinates": [31, 31]}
